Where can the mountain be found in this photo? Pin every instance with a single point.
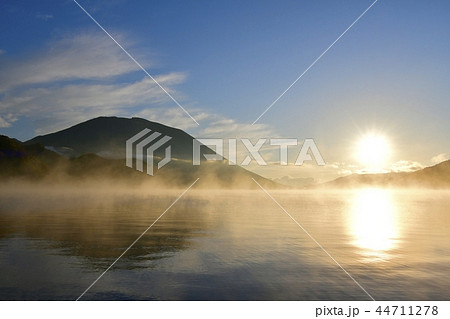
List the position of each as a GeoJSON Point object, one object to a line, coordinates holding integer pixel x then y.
{"type": "Point", "coordinates": [106, 136]}
{"type": "Point", "coordinates": [95, 150]}
{"type": "Point", "coordinates": [437, 176]}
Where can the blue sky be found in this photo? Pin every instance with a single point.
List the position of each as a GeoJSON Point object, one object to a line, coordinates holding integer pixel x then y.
{"type": "Point", "coordinates": [227, 61]}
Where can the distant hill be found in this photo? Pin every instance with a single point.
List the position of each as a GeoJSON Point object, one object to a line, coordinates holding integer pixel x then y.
{"type": "Point", "coordinates": [437, 176]}
{"type": "Point", "coordinates": [17, 159]}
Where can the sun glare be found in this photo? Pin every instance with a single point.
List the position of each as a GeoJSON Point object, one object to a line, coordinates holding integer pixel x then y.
{"type": "Point", "coordinates": [373, 222]}
{"type": "Point", "coordinates": [373, 151]}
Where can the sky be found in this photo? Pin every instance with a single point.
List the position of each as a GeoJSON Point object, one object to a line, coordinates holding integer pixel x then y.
{"type": "Point", "coordinates": [226, 62]}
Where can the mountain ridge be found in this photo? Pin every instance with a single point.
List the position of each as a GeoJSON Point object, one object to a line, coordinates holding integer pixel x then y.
{"type": "Point", "coordinates": [96, 149]}
{"type": "Point", "coordinates": [106, 136]}
{"type": "Point", "coordinates": [435, 176]}
{"type": "Point", "coordinates": [88, 143]}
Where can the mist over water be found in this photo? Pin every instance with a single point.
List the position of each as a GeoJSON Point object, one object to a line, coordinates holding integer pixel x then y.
{"type": "Point", "coordinates": [222, 244]}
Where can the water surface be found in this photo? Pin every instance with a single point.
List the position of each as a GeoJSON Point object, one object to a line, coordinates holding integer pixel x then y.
{"type": "Point", "coordinates": [225, 245]}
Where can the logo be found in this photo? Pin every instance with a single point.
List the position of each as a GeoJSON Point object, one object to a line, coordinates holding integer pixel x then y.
{"type": "Point", "coordinates": [142, 143]}
{"type": "Point", "coordinates": [142, 146]}
{"type": "Point", "coordinates": [308, 148]}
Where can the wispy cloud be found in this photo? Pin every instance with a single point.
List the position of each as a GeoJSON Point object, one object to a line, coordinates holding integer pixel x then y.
{"type": "Point", "coordinates": [79, 77]}
{"type": "Point", "coordinates": [4, 123]}
{"type": "Point", "coordinates": [76, 78]}
{"type": "Point", "coordinates": [7, 119]}
{"type": "Point", "coordinates": [230, 128]}
{"type": "Point", "coordinates": [439, 158]}
{"type": "Point", "coordinates": [213, 126]}
{"type": "Point", "coordinates": [406, 166]}
{"type": "Point", "coordinates": [84, 56]}
{"type": "Point", "coordinates": [174, 116]}
{"type": "Point", "coordinates": [70, 104]}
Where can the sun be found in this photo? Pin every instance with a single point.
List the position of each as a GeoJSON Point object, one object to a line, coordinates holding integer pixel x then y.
{"type": "Point", "coordinates": [373, 151]}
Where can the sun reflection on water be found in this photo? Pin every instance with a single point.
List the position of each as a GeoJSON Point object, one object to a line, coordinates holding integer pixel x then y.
{"type": "Point", "coordinates": [373, 223]}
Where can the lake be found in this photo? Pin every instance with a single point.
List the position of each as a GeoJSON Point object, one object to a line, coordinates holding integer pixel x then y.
{"type": "Point", "coordinates": [224, 245]}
